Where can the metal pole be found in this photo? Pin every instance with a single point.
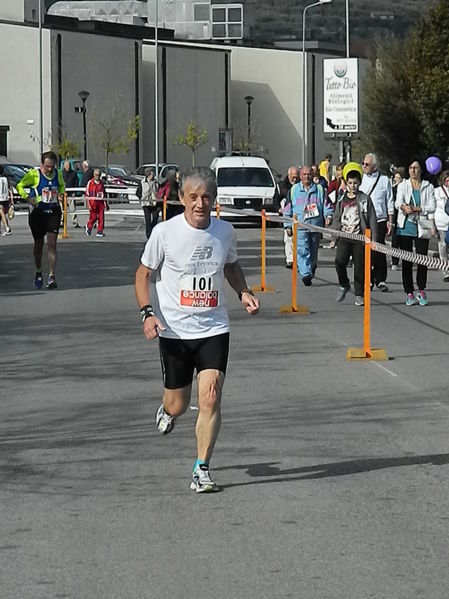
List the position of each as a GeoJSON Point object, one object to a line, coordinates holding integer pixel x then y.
{"type": "Point", "coordinates": [303, 155]}
{"type": "Point", "coordinates": [41, 106]}
{"type": "Point", "coordinates": [347, 28]}
{"type": "Point", "coordinates": [249, 126]}
{"type": "Point", "coordinates": [84, 130]}
{"type": "Point", "coordinates": [156, 89]}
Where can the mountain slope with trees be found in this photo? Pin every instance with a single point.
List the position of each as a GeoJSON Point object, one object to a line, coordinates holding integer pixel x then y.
{"type": "Point", "coordinates": [282, 19]}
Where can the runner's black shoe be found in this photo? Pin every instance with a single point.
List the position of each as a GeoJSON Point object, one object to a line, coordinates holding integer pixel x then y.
{"type": "Point", "coordinates": [51, 283]}
{"type": "Point", "coordinates": [38, 280]}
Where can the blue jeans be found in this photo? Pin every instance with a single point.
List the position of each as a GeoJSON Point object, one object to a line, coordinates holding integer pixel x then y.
{"type": "Point", "coordinates": [307, 252]}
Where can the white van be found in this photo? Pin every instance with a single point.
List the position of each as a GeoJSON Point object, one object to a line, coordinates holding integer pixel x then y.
{"type": "Point", "coordinates": [244, 182]}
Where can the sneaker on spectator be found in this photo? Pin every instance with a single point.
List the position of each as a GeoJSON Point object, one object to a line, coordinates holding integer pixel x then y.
{"type": "Point", "coordinates": [341, 293]}
{"type": "Point", "coordinates": [164, 421]}
{"type": "Point", "coordinates": [446, 278]}
{"type": "Point", "coordinates": [100, 234]}
{"type": "Point", "coordinates": [88, 231]}
{"type": "Point", "coordinates": [201, 480]}
{"type": "Point", "coordinates": [382, 286]}
{"type": "Point", "coordinates": [411, 300]}
{"type": "Point", "coordinates": [422, 298]}
{"type": "Point", "coordinates": [307, 280]}
{"type": "Point", "coordinates": [359, 301]}
{"type": "Point", "coordinates": [394, 267]}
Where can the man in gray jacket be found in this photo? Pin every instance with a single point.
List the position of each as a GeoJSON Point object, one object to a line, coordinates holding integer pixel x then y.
{"type": "Point", "coordinates": [378, 188]}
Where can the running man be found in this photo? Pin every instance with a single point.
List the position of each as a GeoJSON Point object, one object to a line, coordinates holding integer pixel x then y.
{"type": "Point", "coordinates": [190, 256]}
{"type": "Point", "coordinates": [46, 185]}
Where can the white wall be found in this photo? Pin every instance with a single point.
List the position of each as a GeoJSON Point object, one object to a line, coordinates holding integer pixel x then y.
{"type": "Point", "coordinates": [20, 97]}
{"type": "Point", "coordinates": [12, 10]}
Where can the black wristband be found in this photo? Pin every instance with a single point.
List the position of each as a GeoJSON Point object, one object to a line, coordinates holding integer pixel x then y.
{"type": "Point", "coordinates": [244, 290]}
{"type": "Point", "coordinates": [146, 312]}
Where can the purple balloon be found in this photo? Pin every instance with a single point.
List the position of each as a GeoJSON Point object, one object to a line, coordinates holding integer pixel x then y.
{"type": "Point", "coordinates": [433, 165]}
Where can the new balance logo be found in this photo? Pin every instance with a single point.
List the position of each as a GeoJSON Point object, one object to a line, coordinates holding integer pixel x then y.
{"type": "Point", "coordinates": [202, 253]}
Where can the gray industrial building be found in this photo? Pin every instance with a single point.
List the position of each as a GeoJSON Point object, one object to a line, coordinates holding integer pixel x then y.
{"type": "Point", "coordinates": [203, 82]}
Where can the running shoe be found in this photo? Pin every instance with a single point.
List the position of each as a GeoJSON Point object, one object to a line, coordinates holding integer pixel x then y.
{"type": "Point", "coordinates": [88, 231]}
{"type": "Point", "coordinates": [38, 280]}
{"type": "Point", "coordinates": [411, 300]}
{"type": "Point", "coordinates": [51, 283]}
{"type": "Point", "coordinates": [422, 298]}
{"type": "Point", "coordinates": [100, 234]}
{"type": "Point", "coordinates": [164, 421]}
{"type": "Point", "coordinates": [201, 480]}
{"type": "Point", "coordinates": [7, 232]}
{"type": "Point", "coordinates": [341, 294]}
{"type": "Point", "coordinates": [359, 301]}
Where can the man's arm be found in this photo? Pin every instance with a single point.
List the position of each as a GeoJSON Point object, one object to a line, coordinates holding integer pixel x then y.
{"type": "Point", "coordinates": [30, 180]}
{"type": "Point", "coordinates": [151, 324]}
{"type": "Point", "coordinates": [235, 277]}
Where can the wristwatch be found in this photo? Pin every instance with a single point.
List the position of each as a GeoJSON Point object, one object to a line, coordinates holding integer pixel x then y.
{"type": "Point", "coordinates": [146, 312]}
{"type": "Point", "coordinates": [244, 290]}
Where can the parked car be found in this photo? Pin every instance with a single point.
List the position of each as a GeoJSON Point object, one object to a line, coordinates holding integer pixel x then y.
{"type": "Point", "coordinates": [244, 182]}
{"type": "Point", "coordinates": [163, 170]}
{"type": "Point", "coordinates": [14, 172]}
{"type": "Point", "coordinates": [121, 174]}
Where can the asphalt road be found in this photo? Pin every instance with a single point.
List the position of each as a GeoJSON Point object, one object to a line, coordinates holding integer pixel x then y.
{"type": "Point", "coordinates": [333, 473]}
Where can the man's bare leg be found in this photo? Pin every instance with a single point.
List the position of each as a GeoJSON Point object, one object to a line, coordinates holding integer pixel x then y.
{"type": "Point", "coordinates": [210, 384]}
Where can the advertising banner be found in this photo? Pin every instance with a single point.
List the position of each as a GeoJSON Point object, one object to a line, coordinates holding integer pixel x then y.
{"type": "Point", "coordinates": [341, 95]}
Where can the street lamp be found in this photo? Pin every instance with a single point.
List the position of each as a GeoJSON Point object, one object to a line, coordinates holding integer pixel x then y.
{"type": "Point", "coordinates": [304, 75]}
{"type": "Point", "coordinates": [84, 95]}
{"type": "Point", "coordinates": [249, 100]}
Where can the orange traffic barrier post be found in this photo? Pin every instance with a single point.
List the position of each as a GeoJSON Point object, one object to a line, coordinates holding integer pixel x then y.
{"type": "Point", "coordinates": [263, 287]}
{"type": "Point", "coordinates": [64, 234]}
{"type": "Point", "coordinates": [217, 210]}
{"type": "Point", "coordinates": [294, 308]}
{"type": "Point", "coordinates": [164, 208]}
{"type": "Point", "coordinates": [366, 352]}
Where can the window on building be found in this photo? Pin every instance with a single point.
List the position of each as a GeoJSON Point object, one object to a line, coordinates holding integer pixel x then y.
{"type": "Point", "coordinates": [227, 21]}
{"type": "Point", "coordinates": [4, 140]}
{"type": "Point", "coordinates": [235, 15]}
{"type": "Point", "coordinates": [218, 15]}
{"type": "Point", "coordinates": [218, 31]}
{"type": "Point", "coordinates": [201, 12]}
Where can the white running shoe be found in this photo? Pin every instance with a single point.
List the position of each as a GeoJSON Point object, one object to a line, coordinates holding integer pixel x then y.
{"type": "Point", "coordinates": [164, 421]}
{"type": "Point", "coordinates": [201, 480]}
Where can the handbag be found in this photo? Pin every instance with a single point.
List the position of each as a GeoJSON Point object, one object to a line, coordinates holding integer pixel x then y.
{"type": "Point", "coordinates": [425, 227]}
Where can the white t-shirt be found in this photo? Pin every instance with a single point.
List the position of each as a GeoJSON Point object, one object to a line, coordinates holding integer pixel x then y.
{"type": "Point", "coordinates": [4, 190]}
{"type": "Point", "coordinates": [189, 293]}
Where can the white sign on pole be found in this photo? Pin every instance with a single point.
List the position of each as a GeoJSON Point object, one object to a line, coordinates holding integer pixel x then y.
{"type": "Point", "coordinates": [341, 95]}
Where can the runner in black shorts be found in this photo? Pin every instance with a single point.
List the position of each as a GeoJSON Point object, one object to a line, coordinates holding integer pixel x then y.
{"type": "Point", "coordinates": [46, 186]}
{"type": "Point", "coordinates": [191, 255]}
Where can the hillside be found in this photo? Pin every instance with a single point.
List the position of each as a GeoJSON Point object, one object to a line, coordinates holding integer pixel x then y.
{"type": "Point", "coordinates": [282, 19]}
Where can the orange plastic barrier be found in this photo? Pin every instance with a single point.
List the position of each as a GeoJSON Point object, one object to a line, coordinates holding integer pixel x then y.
{"type": "Point", "coordinates": [263, 287]}
{"type": "Point", "coordinates": [367, 352]}
{"type": "Point", "coordinates": [164, 208]}
{"type": "Point", "coordinates": [294, 308]}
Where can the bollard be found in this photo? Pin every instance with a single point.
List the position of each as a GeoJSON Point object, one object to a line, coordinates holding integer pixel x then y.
{"type": "Point", "coordinates": [366, 352]}
{"type": "Point", "coordinates": [217, 210]}
{"type": "Point", "coordinates": [263, 287]}
{"type": "Point", "coordinates": [293, 308]}
{"type": "Point", "coordinates": [164, 208]}
{"type": "Point", "coordinates": [64, 234]}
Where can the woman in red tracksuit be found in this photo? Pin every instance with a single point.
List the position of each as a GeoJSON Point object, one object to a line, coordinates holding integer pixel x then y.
{"type": "Point", "coordinates": [94, 195]}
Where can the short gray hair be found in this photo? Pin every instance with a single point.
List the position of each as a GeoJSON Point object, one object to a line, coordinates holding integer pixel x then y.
{"type": "Point", "coordinates": [201, 173]}
{"type": "Point", "coordinates": [373, 158]}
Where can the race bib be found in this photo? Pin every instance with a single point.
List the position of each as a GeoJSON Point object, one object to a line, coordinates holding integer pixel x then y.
{"type": "Point", "coordinates": [197, 291]}
{"type": "Point", "coordinates": [49, 195]}
{"type": "Point", "coordinates": [311, 210]}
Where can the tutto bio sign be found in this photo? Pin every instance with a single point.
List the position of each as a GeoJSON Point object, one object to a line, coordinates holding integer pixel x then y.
{"type": "Point", "coordinates": [341, 95]}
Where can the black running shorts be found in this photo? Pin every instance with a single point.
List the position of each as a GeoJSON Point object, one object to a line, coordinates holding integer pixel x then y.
{"type": "Point", "coordinates": [45, 220]}
{"type": "Point", "coordinates": [180, 357]}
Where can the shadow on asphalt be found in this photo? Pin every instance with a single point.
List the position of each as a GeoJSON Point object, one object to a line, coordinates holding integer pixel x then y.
{"type": "Point", "coordinates": [269, 469]}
